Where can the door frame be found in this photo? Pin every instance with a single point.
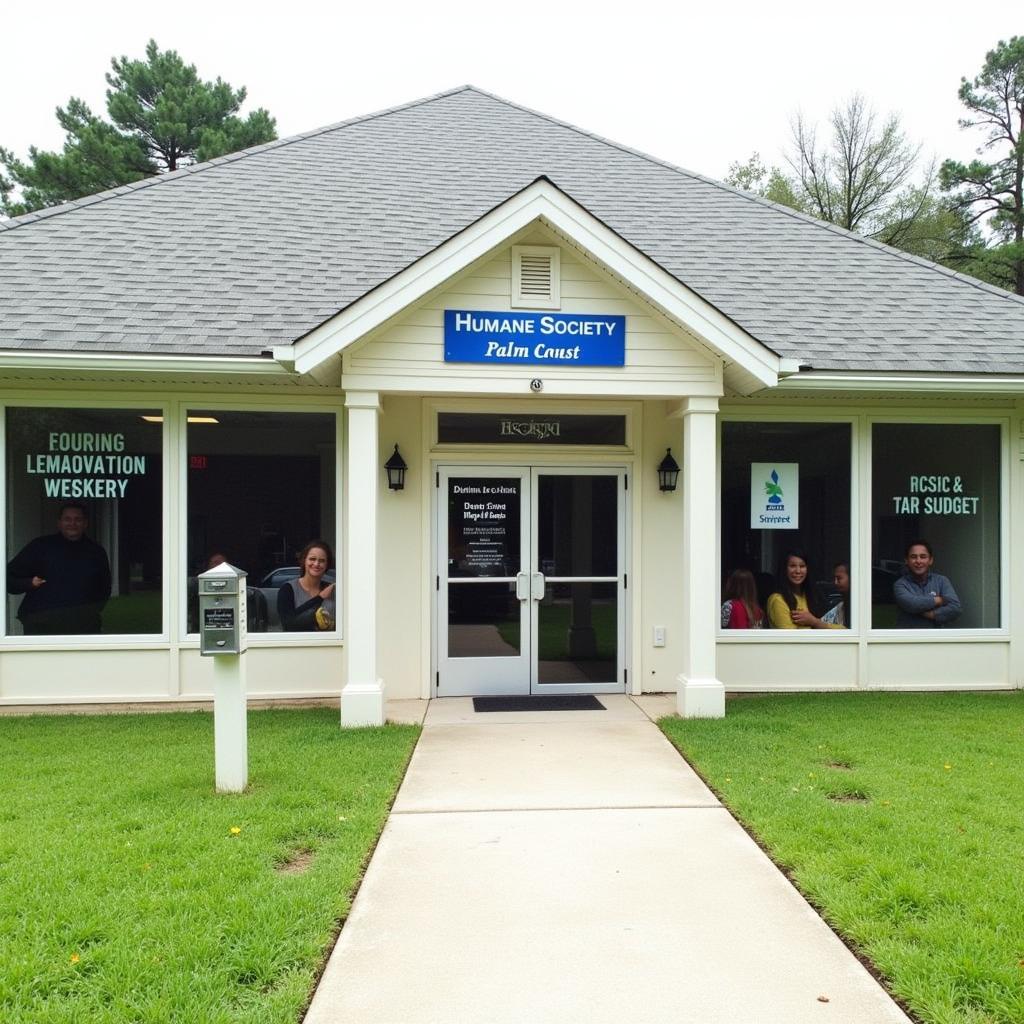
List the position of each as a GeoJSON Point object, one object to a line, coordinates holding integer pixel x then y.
{"type": "Point", "coordinates": [531, 469]}
{"type": "Point", "coordinates": [511, 673]}
{"type": "Point", "coordinates": [621, 595]}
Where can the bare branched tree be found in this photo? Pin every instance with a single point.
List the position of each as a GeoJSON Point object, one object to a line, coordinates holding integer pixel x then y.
{"type": "Point", "coordinates": [861, 177]}
{"type": "Point", "coordinates": [866, 176]}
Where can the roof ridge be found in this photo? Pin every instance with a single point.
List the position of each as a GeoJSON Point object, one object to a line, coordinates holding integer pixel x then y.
{"type": "Point", "coordinates": [86, 201]}
{"type": "Point", "coordinates": [753, 197]}
{"type": "Point", "coordinates": [11, 223]}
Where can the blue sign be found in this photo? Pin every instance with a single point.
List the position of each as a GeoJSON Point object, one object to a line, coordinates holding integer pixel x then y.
{"type": "Point", "coordinates": [535, 339]}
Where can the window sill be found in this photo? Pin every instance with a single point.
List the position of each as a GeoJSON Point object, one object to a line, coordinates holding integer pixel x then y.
{"type": "Point", "coordinates": [120, 641]}
{"type": "Point", "coordinates": [260, 640]}
{"type": "Point", "coordinates": [777, 636]}
{"type": "Point", "coordinates": [878, 636]}
{"type": "Point", "coordinates": [154, 643]}
{"type": "Point", "coordinates": [944, 636]}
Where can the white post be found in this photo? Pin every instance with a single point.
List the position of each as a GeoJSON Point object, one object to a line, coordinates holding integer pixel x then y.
{"type": "Point", "coordinates": [362, 699]}
{"type": "Point", "coordinates": [699, 693]}
{"type": "Point", "coordinates": [230, 734]}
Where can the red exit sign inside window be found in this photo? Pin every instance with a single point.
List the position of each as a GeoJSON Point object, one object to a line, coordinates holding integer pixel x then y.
{"type": "Point", "coordinates": [197, 462]}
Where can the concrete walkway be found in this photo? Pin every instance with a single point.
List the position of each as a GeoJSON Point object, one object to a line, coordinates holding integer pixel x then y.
{"type": "Point", "coordinates": [569, 866]}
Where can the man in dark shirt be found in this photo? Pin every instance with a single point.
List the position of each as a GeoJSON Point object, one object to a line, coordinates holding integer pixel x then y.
{"type": "Point", "coordinates": [64, 576]}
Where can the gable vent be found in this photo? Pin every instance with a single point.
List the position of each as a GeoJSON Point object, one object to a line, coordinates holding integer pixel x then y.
{"type": "Point", "coordinates": [535, 277]}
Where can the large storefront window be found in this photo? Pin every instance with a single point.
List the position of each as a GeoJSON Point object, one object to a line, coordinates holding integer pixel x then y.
{"type": "Point", "coordinates": [84, 521]}
{"type": "Point", "coordinates": [937, 483]}
{"type": "Point", "coordinates": [261, 487]}
{"type": "Point", "coordinates": [786, 501]}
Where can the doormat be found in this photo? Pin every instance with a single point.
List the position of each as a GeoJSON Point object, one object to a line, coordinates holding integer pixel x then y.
{"type": "Point", "coordinates": [553, 702]}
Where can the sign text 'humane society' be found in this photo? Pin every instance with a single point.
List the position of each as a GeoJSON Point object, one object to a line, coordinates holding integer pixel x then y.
{"type": "Point", "coordinates": [538, 339]}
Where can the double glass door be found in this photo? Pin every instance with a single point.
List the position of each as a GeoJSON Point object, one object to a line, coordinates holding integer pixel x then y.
{"type": "Point", "coordinates": [530, 580]}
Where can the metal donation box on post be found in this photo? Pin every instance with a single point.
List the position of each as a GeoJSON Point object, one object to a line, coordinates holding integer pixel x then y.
{"type": "Point", "coordinates": [222, 611]}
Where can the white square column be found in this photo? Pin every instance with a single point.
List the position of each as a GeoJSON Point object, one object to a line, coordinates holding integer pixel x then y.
{"type": "Point", "coordinates": [699, 693]}
{"type": "Point", "coordinates": [362, 699]}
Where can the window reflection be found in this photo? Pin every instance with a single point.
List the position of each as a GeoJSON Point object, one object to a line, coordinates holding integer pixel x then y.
{"type": "Point", "coordinates": [84, 521]}
{"type": "Point", "coordinates": [577, 525]}
{"type": "Point", "coordinates": [577, 633]}
{"type": "Point", "coordinates": [785, 500]}
{"type": "Point", "coordinates": [937, 483]}
{"type": "Point", "coordinates": [261, 485]}
{"type": "Point", "coordinates": [483, 620]}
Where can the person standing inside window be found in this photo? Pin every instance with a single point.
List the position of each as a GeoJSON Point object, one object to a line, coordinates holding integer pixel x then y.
{"type": "Point", "coordinates": [838, 615]}
{"type": "Point", "coordinates": [925, 599]}
{"type": "Point", "coordinates": [306, 604]}
{"type": "Point", "coordinates": [64, 576]}
{"type": "Point", "coordinates": [740, 609]}
{"type": "Point", "coordinates": [790, 606]}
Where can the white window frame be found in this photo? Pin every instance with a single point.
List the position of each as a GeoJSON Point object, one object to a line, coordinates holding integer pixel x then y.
{"type": "Point", "coordinates": [850, 635]}
{"type": "Point", "coordinates": [102, 641]}
{"type": "Point", "coordinates": [951, 419]}
{"type": "Point", "coordinates": [861, 523]}
{"type": "Point", "coordinates": [256, 640]}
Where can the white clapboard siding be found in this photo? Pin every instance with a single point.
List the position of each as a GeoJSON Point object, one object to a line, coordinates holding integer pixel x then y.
{"type": "Point", "coordinates": [660, 356]}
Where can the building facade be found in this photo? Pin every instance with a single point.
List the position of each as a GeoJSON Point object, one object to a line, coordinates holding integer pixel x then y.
{"type": "Point", "coordinates": [220, 363]}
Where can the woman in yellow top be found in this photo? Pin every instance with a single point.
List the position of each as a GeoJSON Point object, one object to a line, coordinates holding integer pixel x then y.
{"type": "Point", "coordinates": [789, 607]}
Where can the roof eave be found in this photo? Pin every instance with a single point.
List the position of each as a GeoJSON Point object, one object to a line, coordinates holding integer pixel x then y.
{"type": "Point", "coordinates": [894, 380]}
{"type": "Point", "coordinates": [25, 359]}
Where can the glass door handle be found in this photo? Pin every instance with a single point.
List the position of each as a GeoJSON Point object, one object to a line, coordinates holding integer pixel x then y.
{"type": "Point", "coordinates": [537, 586]}
{"type": "Point", "coordinates": [522, 586]}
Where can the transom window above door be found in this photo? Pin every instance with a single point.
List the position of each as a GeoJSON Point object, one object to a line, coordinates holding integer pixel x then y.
{"type": "Point", "coordinates": [530, 428]}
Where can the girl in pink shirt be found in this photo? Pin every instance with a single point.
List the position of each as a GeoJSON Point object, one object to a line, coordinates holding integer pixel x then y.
{"type": "Point", "coordinates": [740, 609]}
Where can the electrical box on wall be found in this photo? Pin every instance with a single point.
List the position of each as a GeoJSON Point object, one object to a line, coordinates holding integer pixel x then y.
{"type": "Point", "coordinates": [659, 636]}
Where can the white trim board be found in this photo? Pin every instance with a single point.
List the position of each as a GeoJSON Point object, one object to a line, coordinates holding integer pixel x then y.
{"type": "Point", "coordinates": [140, 362]}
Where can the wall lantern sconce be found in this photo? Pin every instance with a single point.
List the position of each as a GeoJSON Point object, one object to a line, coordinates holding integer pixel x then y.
{"type": "Point", "coordinates": [395, 468]}
{"type": "Point", "coordinates": [668, 472]}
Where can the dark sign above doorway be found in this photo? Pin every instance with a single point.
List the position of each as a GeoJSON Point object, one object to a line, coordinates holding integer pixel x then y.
{"type": "Point", "coordinates": [515, 428]}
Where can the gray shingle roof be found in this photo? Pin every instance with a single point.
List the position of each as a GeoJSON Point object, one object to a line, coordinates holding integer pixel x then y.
{"type": "Point", "coordinates": [254, 250]}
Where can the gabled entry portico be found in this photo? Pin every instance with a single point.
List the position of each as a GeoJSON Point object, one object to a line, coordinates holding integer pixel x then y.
{"type": "Point", "coordinates": [497, 612]}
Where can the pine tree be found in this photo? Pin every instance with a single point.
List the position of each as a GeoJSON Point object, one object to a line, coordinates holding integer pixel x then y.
{"type": "Point", "coordinates": [162, 117]}
{"type": "Point", "coordinates": [993, 192]}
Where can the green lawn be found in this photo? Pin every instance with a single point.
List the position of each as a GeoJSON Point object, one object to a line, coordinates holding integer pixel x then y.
{"type": "Point", "coordinates": [901, 817]}
{"type": "Point", "coordinates": [128, 894]}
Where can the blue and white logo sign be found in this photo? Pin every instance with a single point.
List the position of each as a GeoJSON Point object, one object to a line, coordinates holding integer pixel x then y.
{"type": "Point", "coordinates": [535, 339]}
{"type": "Point", "coordinates": [774, 495]}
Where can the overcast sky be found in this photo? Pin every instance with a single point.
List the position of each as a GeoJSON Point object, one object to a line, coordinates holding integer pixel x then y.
{"type": "Point", "coordinates": [700, 89]}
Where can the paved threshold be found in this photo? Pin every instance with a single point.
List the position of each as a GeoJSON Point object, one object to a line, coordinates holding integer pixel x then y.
{"type": "Point", "coordinates": [572, 867]}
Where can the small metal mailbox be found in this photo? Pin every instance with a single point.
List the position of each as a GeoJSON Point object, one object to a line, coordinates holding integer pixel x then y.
{"type": "Point", "coordinates": [222, 611]}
